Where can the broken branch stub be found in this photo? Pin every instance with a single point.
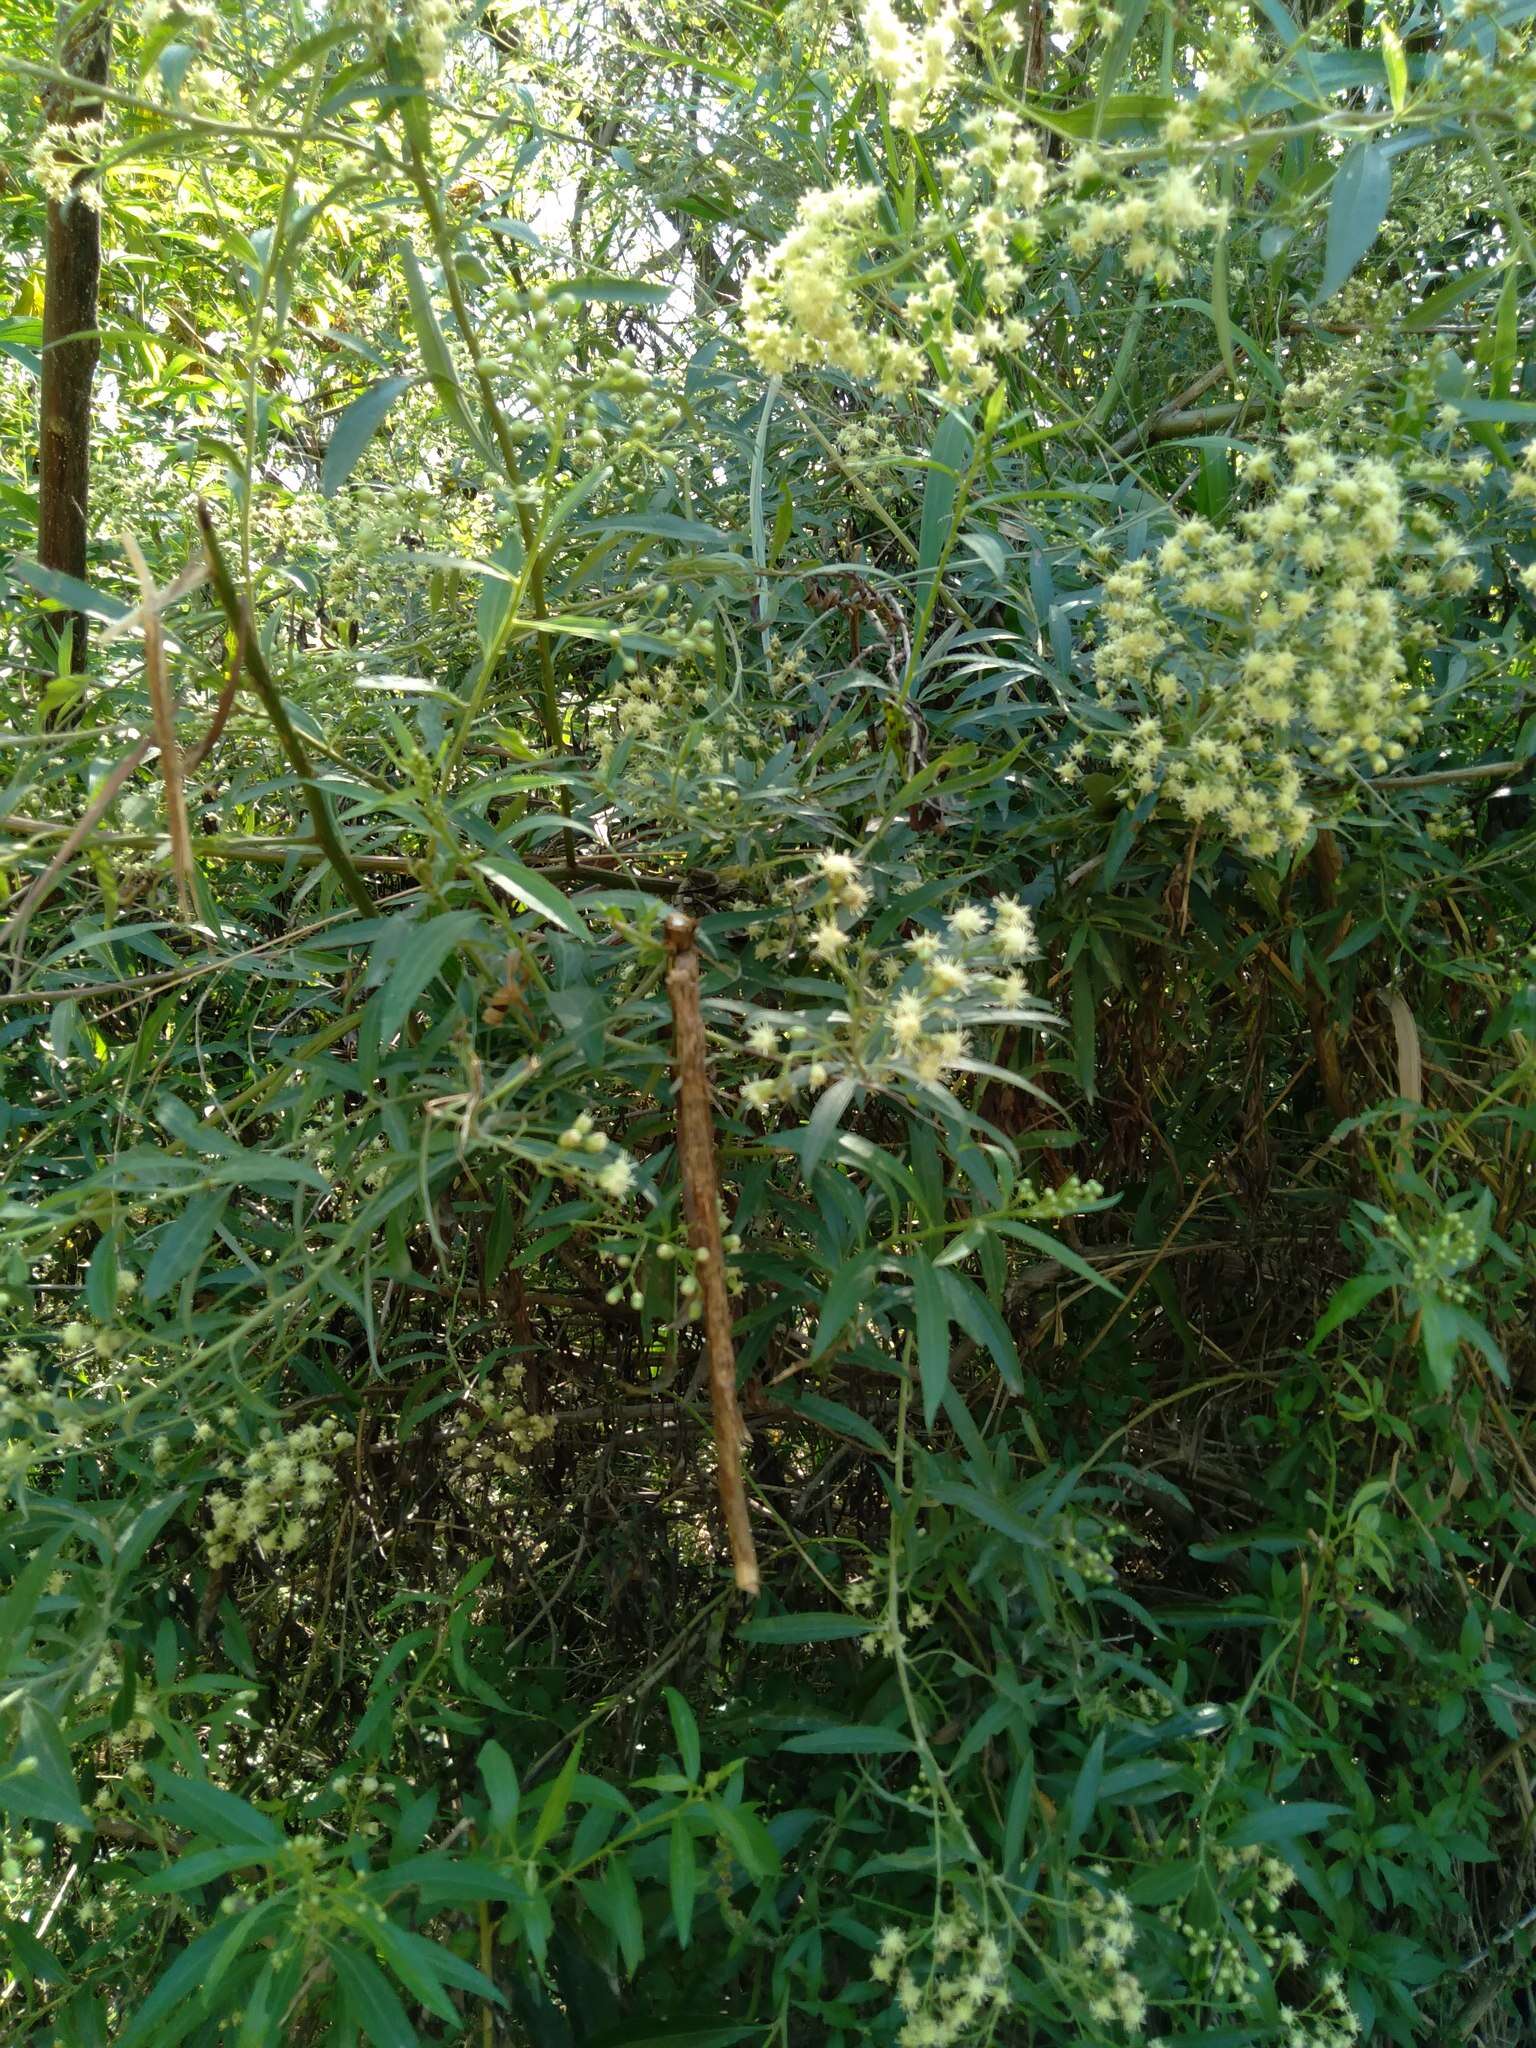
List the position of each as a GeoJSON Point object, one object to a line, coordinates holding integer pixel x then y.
{"type": "Point", "coordinates": [701, 1210]}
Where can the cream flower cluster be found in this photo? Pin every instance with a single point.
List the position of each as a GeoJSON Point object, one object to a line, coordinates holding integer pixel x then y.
{"type": "Point", "coordinates": [675, 751]}
{"type": "Point", "coordinates": [800, 304]}
{"type": "Point", "coordinates": [1146, 216]}
{"type": "Point", "coordinates": [47, 1415]}
{"type": "Point", "coordinates": [284, 1482]}
{"type": "Point", "coordinates": [915, 1029]}
{"type": "Point", "coordinates": [1105, 1933]}
{"type": "Point", "coordinates": [914, 64]}
{"type": "Point", "coordinates": [65, 161]}
{"type": "Point", "coordinates": [1254, 1884]}
{"type": "Point", "coordinates": [584, 1145]}
{"type": "Point", "coordinates": [675, 724]}
{"type": "Point", "coordinates": [1435, 1259]}
{"type": "Point", "coordinates": [1522, 484]}
{"type": "Point", "coordinates": [493, 1430]}
{"type": "Point", "coordinates": [427, 23]}
{"type": "Point", "coordinates": [959, 1993]}
{"type": "Point", "coordinates": [1073, 19]}
{"type": "Point", "coordinates": [1236, 59]}
{"type": "Point", "coordinates": [843, 291]}
{"type": "Point", "coordinates": [1251, 668]}
{"type": "Point", "coordinates": [1329, 2021]}
{"type": "Point", "coordinates": [1084, 1546]}
{"type": "Point", "coordinates": [806, 304]}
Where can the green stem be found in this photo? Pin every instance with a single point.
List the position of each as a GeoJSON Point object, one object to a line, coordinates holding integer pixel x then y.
{"type": "Point", "coordinates": [1128, 346]}
{"type": "Point", "coordinates": [1514, 219]}
{"type": "Point", "coordinates": [549, 700]}
{"type": "Point", "coordinates": [238, 613]}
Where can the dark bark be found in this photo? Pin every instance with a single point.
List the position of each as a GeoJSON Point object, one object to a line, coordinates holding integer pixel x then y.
{"type": "Point", "coordinates": [70, 344]}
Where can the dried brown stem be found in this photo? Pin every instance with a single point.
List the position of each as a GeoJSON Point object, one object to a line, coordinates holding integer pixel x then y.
{"type": "Point", "coordinates": [16, 924]}
{"type": "Point", "coordinates": [701, 1208]}
{"type": "Point", "coordinates": [76, 835]}
{"type": "Point", "coordinates": [199, 751]}
{"type": "Point", "coordinates": [163, 706]}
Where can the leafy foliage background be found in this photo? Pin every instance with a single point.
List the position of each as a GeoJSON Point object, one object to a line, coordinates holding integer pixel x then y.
{"type": "Point", "coordinates": [1135, 1346]}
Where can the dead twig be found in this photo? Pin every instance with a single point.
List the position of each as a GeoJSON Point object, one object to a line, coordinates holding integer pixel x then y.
{"type": "Point", "coordinates": [198, 753]}
{"type": "Point", "coordinates": [75, 837]}
{"type": "Point", "coordinates": [701, 1207]}
{"type": "Point", "coordinates": [163, 707]}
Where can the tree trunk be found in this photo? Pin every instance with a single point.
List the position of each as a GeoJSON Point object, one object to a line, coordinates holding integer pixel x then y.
{"type": "Point", "coordinates": [70, 346]}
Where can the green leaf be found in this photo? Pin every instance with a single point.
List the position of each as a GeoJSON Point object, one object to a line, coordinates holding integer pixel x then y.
{"type": "Point", "coordinates": [1396, 62]}
{"type": "Point", "coordinates": [1115, 57]}
{"type": "Point", "coordinates": [368, 2000]}
{"type": "Point", "coordinates": [682, 1879]}
{"type": "Point", "coordinates": [552, 1813]}
{"type": "Point", "coordinates": [1362, 192]}
{"type": "Point", "coordinates": [1085, 1014]}
{"type": "Point", "coordinates": [619, 1904]}
{"type": "Point", "coordinates": [686, 1729]}
{"type": "Point", "coordinates": [355, 427]}
{"type": "Point", "coordinates": [68, 591]}
{"type": "Point", "coordinates": [533, 891]}
{"type": "Point", "coordinates": [751, 1844]}
{"type": "Point", "coordinates": [1506, 338]}
{"type": "Point", "coordinates": [1283, 1822]}
{"type": "Point", "coordinates": [435, 357]}
{"type": "Point", "coordinates": [983, 1324]}
{"type": "Point", "coordinates": [18, 1610]}
{"type": "Point", "coordinates": [857, 1740]}
{"type": "Point", "coordinates": [426, 945]}
{"type": "Point", "coordinates": [821, 1130]}
{"type": "Point", "coordinates": [803, 1628]}
{"type": "Point", "coordinates": [1054, 1248]}
{"type": "Point", "coordinates": [498, 587]}
{"type": "Point", "coordinates": [1434, 307]}
{"type": "Point", "coordinates": [932, 1326]}
{"type": "Point", "coordinates": [1085, 1792]}
{"type": "Point", "coordinates": [597, 288]}
{"type": "Point", "coordinates": [1347, 1301]}
{"type": "Point", "coordinates": [951, 449]}
{"type": "Point", "coordinates": [186, 1974]}
{"type": "Point", "coordinates": [182, 1242]}
{"type": "Point", "coordinates": [835, 1416]}
{"type": "Point", "coordinates": [1496, 412]}
{"type": "Point", "coordinates": [783, 525]}
{"type": "Point", "coordinates": [501, 1786]}
{"type": "Point", "coordinates": [422, 1966]}
{"type": "Point", "coordinates": [1016, 1820]}
{"type": "Point", "coordinates": [101, 1279]}
{"type": "Point", "coordinates": [201, 1867]}
{"type": "Point", "coordinates": [38, 1782]}
{"type": "Point", "coordinates": [841, 1299]}
{"type": "Point", "coordinates": [29, 1957]}
{"type": "Point", "coordinates": [210, 1810]}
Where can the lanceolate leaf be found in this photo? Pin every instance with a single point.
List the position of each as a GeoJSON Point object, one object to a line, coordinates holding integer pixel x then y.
{"type": "Point", "coordinates": [355, 428]}
{"type": "Point", "coordinates": [1362, 191]}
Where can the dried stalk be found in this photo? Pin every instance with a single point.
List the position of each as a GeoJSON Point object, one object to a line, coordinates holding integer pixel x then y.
{"type": "Point", "coordinates": [701, 1209]}
{"type": "Point", "coordinates": [162, 704]}
{"type": "Point", "coordinates": [75, 836]}
{"type": "Point", "coordinates": [15, 926]}
{"type": "Point", "coordinates": [198, 753]}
